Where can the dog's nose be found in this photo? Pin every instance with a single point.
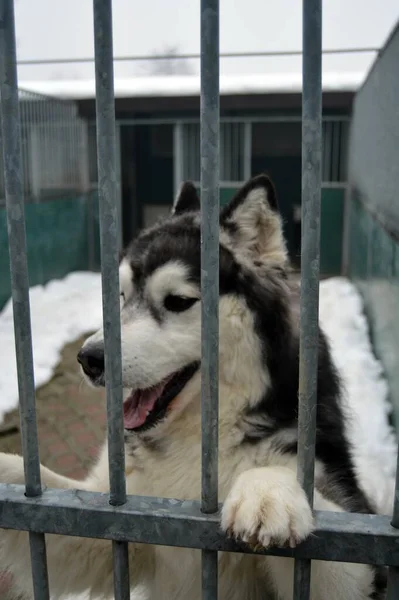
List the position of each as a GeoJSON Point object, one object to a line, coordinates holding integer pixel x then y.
{"type": "Point", "coordinates": [92, 361]}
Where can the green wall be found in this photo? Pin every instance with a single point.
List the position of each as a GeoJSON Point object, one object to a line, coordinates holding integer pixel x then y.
{"type": "Point", "coordinates": [374, 267]}
{"type": "Point", "coordinates": [331, 230]}
{"type": "Point", "coordinates": [57, 240]}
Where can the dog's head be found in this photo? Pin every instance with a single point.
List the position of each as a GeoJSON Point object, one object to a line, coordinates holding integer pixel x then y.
{"type": "Point", "coordinates": [160, 293]}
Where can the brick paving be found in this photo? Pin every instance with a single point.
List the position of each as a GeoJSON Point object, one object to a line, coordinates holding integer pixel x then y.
{"type": "Point", "coordinates": [71, 425]}
{"type": "Point", "coordinates": [71, 420]}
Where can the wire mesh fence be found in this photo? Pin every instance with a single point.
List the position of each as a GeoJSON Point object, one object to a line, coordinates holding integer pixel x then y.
{"type": "Point", "coordinates": [53, 146]}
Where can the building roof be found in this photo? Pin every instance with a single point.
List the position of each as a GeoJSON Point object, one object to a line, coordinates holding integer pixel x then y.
{"type": "Point", "coordinates": [186, 86]}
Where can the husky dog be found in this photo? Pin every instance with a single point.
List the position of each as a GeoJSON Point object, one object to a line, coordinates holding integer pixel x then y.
{"type": "Point", "coordinates": [258, 401]}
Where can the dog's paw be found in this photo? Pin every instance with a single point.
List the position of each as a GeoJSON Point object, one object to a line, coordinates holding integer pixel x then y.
{"type": "Point", "coordinates": [11, 468]}
{"type": "Point", "coordinates": [267, 506]}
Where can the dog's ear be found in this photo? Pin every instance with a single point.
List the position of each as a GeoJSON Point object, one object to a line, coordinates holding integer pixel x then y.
{"type": "Point", "coordinates": [253, 222]}
{"type": "Point", "coordinates": [187, 199]}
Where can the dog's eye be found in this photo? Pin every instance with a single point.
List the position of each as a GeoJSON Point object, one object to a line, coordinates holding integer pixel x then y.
{"type": "Point", "coordinates": [178, 303]}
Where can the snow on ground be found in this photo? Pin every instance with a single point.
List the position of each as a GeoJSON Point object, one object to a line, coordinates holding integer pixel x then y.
{"type": "Point", "coordinates": [366, 398]}
{"type": "Point", "coordinates": [64, 310]}
{"type": "Point", "coordinates": [61, 311]}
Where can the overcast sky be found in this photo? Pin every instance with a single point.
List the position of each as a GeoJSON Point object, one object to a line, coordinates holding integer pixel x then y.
{"type": "Point", "coordinates": [64, 28]}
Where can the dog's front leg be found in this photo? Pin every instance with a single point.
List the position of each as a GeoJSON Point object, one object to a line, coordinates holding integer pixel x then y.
{"type": "Point", "coordinates": [74, 564]}
{"type": "Point", "coordinates": [267, 506]}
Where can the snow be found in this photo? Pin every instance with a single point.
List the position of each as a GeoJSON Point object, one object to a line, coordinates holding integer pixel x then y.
{"type": "Point", "coordinates": [64, 310]}
{"type": "Point", "coordinates": [61, 311]}
{"type": "Point", "coordinates": [189, 85]}
{"type": "Point", "coordinates": [366, 399]}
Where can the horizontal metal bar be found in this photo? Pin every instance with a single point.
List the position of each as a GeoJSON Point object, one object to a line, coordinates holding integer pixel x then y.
{"type": "Point", "coordinates": [347, 537]}
{"type": "Point", "coordinates": [253, 119]}
{"type": "Point", "coordinates": [193, 56]}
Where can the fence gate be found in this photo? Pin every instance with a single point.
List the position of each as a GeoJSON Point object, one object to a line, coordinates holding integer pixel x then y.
{"type": "Point", "coordinates": [340, 537]}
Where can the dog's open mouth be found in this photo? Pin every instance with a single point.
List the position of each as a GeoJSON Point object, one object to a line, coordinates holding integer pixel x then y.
{"type": "Point", "coordinates": [144, 408]}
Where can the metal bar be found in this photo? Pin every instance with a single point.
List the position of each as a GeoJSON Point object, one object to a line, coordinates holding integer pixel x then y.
{"type": "Point", "coordinates": [178, 157]}
{"type": "Point", "coordinates": [247, 150]}
{"type": "Point", "coordinates": [13, 175]}
{"type": "Point", "coordinates": [310, 251]}
{"type": "Point", "coordinates": [121, 570]}
{"type": "Point", "coordinates": [108, 200]}
{"type": "Point", "coordinates": [210, 146]}
{"type": "Point", "coordinates": [107, 177]}
{"type": "Point", "coordinates": [37, 545]}
{"type": "Point", "coordinates": [119, 185]}
{"type": "Point", "coordinates": [192, 56]}
{"type": "Point", "coordinates": [393, 574]}
{"type": "Point", "coordinates": [341, 537]}
{"type": "Point", "coordinates": [280, 118]}
{"type": "Point", "coordinates": [310, 262]}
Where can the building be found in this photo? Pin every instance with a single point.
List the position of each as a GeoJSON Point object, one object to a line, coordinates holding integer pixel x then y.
{"type": "Point", "coordinates": [158, 137]}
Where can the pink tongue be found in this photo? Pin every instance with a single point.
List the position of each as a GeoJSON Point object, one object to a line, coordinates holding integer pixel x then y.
{"type": "Point", "coordinates": [136, 406]}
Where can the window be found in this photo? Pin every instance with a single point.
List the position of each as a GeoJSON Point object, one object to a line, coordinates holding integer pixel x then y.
{"type": "Point", "coordinates": [231, 152]}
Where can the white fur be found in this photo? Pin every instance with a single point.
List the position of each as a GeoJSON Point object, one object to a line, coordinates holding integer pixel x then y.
{"type": "Point", "coordinates": [263, 502]}
{"type": "Point", "coordinates": [260, 233]}
{"type": "Point", "coordinates": [125, 280]}
{"type": "Point", "coordinates": [268, 497]}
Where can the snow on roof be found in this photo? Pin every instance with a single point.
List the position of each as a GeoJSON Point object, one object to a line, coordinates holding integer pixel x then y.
{"type": "Point", "coordinates": [169, 86]}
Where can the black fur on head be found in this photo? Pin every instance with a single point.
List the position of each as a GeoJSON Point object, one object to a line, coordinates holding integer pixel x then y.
{"type": "Point", "coordinates": [187, 200]}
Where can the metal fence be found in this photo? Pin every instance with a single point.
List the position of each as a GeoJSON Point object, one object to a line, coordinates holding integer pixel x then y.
{"type": "Point", "coordinates": [53, 140]}
{"type": "Point", "coordinates": [236, 146]}
{"type": "Point", "coordinates": [340, 537]}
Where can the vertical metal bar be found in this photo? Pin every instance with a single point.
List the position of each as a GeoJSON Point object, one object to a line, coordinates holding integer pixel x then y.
{"type": "Point", "coordinates": [210, 134]}
{"type": "Point", "coordinates": [13, 175]}
{"type": "Point", "coordinates": [107, 176]}
{"type": "Point", "coordinates": [247, 150]}
{"type": "Point", "coordinates": [119, 184]}
{"type": "Point", "coordinates": [393, 573]}
{"type": "Point", "coordinates": [310, 263]}
{"type": "Point", "coordinates": [178, 169]}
